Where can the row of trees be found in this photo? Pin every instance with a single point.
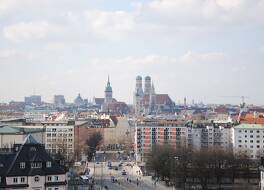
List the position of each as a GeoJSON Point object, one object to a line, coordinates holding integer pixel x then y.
{"type": "Point", "coordinates": [183, 167]}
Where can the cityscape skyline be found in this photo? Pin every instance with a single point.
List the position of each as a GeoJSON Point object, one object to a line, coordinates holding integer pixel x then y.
{"type": "Point", "coordinates": [239, 98]}
{"type": "Point", "coordinates": [201, 50]}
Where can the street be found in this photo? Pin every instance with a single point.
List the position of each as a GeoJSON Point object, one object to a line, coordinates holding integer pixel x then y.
{"type": "Point", "coordinates": [132, 180]}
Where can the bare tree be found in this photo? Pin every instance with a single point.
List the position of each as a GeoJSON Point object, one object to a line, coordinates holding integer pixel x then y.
{"type": "Point", "coordinates": [93, 142]}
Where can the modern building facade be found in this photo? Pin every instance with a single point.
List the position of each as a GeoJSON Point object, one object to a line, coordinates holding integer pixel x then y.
{"type": "Point", "coordinates": [158, 132]}
{"type": "Point", "coordinates": [176, 133]}
{"type": "Point", "coordinates": [249, 139]}
{"type": "Point", "coordinates": [33, 100]}
{"type": "Point", "coordinates": [59, 100]}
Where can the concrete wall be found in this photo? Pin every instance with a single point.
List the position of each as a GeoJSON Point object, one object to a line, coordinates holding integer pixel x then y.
{"type": "Point", "coordinates": [119, 133]}
{"type": "Point", "coordinates": [8, 140]}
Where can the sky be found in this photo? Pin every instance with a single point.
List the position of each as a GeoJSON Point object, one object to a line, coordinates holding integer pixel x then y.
{"type": "Point", "coordinates": [207, 50]}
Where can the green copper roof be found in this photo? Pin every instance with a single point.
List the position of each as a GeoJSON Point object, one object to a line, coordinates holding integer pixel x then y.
{"type": "Point", "coordinates": [108, 87]}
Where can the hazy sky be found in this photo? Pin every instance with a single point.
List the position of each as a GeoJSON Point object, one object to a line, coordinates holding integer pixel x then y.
{"type": "Point", "coordinates": [201, 49]}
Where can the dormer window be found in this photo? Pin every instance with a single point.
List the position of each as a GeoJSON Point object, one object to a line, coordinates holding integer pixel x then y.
{"type": "Point", "coordinates": [48, 164]}
{"type": "Point", "coordinates": [22, 165]}
{"type": "Point", "coordinates": [36, 165]}
{"type": "Point", "coordinates": [32, 149]}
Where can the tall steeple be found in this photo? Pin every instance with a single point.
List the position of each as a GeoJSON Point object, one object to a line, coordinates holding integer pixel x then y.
{"type": "Point", "coordinates": [108, 81]}
{"type": "Point", "coordinates": [108, 92]}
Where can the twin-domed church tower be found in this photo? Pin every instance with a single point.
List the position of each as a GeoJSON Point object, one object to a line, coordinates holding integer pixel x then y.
{"type": "Point", "coordinates": [144, 101]}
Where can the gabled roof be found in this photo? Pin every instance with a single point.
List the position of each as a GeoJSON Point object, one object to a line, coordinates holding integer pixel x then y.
{"type": "Point", "coordinates": [163, 99]}
{"type": "Point", "coordinates": [159, 99]}
{"type": "Point", "coordinates": [30, 140]}
{"type": "Point", "coordinates": [30, 151]}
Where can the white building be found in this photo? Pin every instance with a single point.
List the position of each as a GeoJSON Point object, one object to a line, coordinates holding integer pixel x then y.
{"type": "Point", "coordinates": [60, 139]}
{"type": "Point", "coordinates": [58, 136]}
{"type": "Point", "coordinates": [249, 139]}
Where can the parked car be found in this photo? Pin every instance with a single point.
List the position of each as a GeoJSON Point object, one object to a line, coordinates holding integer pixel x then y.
{"type": "Point", "coordinates": [124, 172]}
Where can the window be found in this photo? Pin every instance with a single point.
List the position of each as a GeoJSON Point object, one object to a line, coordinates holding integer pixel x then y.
{"type": "Point", "coordinates": [36, 165]}
{"type": "Point", "coordinates": [251, 136]}
{"type": "Point", "coordinates": [36, 179]}
{"type": "Point", "coordinates": [22, 165]}
{"type": "Point", "coordinates": [15, 179]}
{"type": "Point", "coordinates": [48, 164]}
{"type": "Point", "coordinates": [56, 188]}
{"type": "Point", "coordinates": [251, 131]}
{"type": "Point", "coordinates": [32, 149]}
{"type": "Point", "coordinates": [49, 188]}
{"type": "Point", "coordinates": [22, 180]}
{"type": "Point", "coordinates": [49, 178]}
{"type": "Point", "coordinates": [251, 141]}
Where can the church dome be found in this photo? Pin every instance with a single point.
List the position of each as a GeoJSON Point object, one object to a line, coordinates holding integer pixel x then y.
{"type": "Point", "coordinates": [139, 78]}
{"type": "Point", "coordinates": [147, 78]}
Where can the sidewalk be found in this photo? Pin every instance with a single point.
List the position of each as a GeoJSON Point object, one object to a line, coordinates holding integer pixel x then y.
{"type": "Point", "coordinates": [136, 172]}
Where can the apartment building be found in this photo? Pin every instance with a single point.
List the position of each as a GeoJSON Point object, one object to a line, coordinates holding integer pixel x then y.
{"type": "Point", "coordinates": [151, 132]}
{"type": "Point", "coordinates": [158, 132]}
{"type": "Point", "coordinates": [60, 139]}
{"type": "Point", "coordinates": [208, 135]}
{"type": "Point", "coordinates": [249, 139]}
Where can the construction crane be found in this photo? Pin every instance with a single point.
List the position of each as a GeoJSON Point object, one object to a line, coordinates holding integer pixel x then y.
{"type": "Point", "coordinates": [243, 104]}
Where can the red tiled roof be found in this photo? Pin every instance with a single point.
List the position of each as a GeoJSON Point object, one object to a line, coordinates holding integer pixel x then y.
{"type": "Point", "coordinates": [159, 98]}
{"type": "Point", "coordinates": [252, 120]}
{"type": "Point", "coordinates": [163, 99]}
